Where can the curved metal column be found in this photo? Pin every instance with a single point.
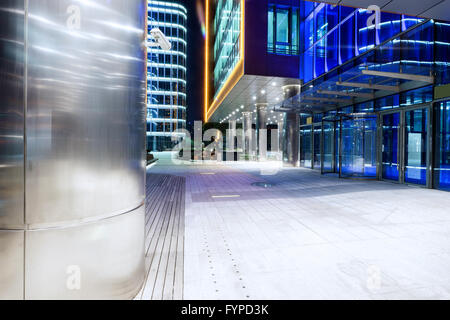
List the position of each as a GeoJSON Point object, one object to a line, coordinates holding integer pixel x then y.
{"type": "Point", "coordinates": [291, 142]}
{"type": "Point", "coordinates": [247, 136]}
{"type": "Point", "coordinates": [72, 226]}
{"type": "Point", "coordinates": [261, 130]}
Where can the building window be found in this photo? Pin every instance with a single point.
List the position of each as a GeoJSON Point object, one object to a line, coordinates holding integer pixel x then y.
{"type": "Point", "coordinates": [283, 30]}
{"type": "Point", "coordinates": [227, 31]}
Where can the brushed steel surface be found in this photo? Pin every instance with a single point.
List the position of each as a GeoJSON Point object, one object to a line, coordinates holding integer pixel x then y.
{"type": "Point", "coordinates": [11, 265]}
{"type": "Point", "coordinates": [86, 110]}
{"type": "Point", "coordinates": [11, 113]}
{"type": "Point", "coordinates": [107, 255]}
{"type": "Point", "coordinates": [72, 156]}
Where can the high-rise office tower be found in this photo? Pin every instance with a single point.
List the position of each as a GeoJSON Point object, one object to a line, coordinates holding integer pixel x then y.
{"type": "Point", "coordinates": [166, 100]}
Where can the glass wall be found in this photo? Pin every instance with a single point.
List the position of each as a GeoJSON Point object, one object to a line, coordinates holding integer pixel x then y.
{"type": "Point", "coordinates": [416, 143]}
{"type": "Point", "coordinates": [334, 35]}
{"type": "Point", "coordinates": [305, 146]}
{"type": "Point", "coordinates": [317, 146]}
{"type": "Point", "coordinates": [357, 146]}
{"type": "Point", "coordinates": [442, 146]}
{"type": "Point", "coordinates": [390, 146]}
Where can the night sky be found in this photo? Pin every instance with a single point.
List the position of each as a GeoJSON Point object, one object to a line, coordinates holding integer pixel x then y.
{"type": "Point", "coordinates": [194, 63]}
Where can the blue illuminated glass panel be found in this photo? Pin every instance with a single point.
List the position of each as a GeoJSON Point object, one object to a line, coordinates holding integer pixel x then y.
{"type": "Point", "coordinates": [391, 127]}
{"type": "Point", "coordinates": [345, 12]}
{"type": "Point", "coordinates": [416, 146]}
{"type": "Point", "coordinates": [332, 16]}
{"type": "Point", "coordinates": [347, 42]}
{"type": "Point", "coordinates": [366, 34]}
{"type": "Point", "coordinates": [332, 50]}
{"type": "Point", "coordinates": [443, 51]}
{"type": "Point", "coordinates": [387, 103]}
{"type": "Point", "coordinates": [309, 31]}
{"type": "Point", "coordinates": [317, 149]}
{"type": "Point", "coordinates": [442, 158]}
{"type": "Point", "coordinates": [359, 147]}
{"type": "Point", "coordinates": [417, 96]}
{"type": "Point", "coordinates": [417, 49]}
{"type": "Point", "coordinates": [305, 146]}
{"type": "Point", "coordinates": [308, 65]}
{"type": "Point", "coordinates": [320, 17]}
{"type": "Point", "coordinates": [408, 22]}
{"type": "Point", "coordinates": [390, 26]}
{"type": "Point", "coordinates": [320, 58]}
{"type": "Point", "coordinates": [364, 107]}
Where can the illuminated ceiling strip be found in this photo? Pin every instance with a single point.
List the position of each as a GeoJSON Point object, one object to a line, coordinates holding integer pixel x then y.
{"type": "Point", "coordinates": [169, 93]}
{"type": "Point", "coordinates": [238, 70]}
{"type": "Point", "coordinates": [165, 120]}
{"type": "Point", "coordinates": [163, 65]}
{"type": "Point", "coordinates": [167, 4]}
{"type": "Point", "coordinates": [165, 79]}
{"type": "Point", "coordinates": [156, 9]}
{"type": "Point", "coordinates": [166, 24]}
{"type": "Point", "coordinates": [165, 106]}
{"type": "Point", "coordinates": [165, 134]}
{"type": "Point", "coordinates": [226, 196]}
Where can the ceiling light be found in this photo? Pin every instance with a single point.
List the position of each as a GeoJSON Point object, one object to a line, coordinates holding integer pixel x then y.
{"type": "Point", "coordinates": [274, 83]}
{"type": "Point", "coordinates": [242, 107]}
{"type": "Point", "coordinates": [254, 97]}
{"type": "Point", "coordinates": [263, 91]}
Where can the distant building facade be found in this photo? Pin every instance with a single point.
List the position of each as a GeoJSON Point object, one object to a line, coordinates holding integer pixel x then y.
{"type": "Point", "coordinates": [166, 91]}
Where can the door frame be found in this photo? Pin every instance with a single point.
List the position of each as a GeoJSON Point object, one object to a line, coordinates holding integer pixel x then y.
{"type": "Point", "coordinates": [341, 124]}
{"type": "Point", "coordinates": [311, 146]}
{"type": "Point", "coordinates": [401, 149]}
{"type": "Point", "coordinates": [336, 122]}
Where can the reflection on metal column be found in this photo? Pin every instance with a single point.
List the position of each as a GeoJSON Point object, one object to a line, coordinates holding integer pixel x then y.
{"type": "Point", "coordinates": [261, 131]}
{"type": "Point", "coordinates": [291, 144]}
{"type": "Point", "coordinates": [72, 171]}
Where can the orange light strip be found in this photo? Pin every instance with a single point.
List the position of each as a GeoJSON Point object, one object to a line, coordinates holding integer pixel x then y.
{"type": "Point", "coordinates": [207, 62]}
{"type": "Point", "coordinates": [234, 77]}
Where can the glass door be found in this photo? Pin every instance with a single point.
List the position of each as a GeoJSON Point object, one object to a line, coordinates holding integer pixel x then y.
{"type": "Point", "coordinates": [390, 146]}
{"type": "Point", "coordinates": [442, 146]}
{"type": "Point", "coordinates": [358, 146]}
{"type": "Point", "coordinates": [405, 146]}
{"type": "Point", "coordinates": [306, 146]}
{"type": "Point", "coordinates": [330, 143]}
{"type": "Point", "coordinates": [317, 147]}
{"type": "Point", "coordinates": [415, 149]}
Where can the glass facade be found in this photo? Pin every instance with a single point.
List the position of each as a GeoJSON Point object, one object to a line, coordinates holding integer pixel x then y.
{"type": "Point", "coordinates": [166, 80]}
{"type": "Point", "coordinates": [334, 35]}
{"type": "Point", "coordinates": [227, 44]}
{"type": "Point", "coordinates": [384, 132]}
{"type": "Point", "coordinates": [442, 146]}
